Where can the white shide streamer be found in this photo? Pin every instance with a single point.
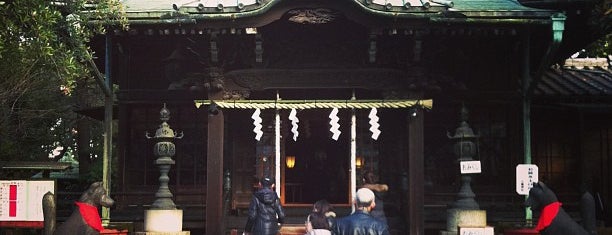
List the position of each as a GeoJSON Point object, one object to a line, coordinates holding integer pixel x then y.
{"type": "Point", "coordinates": [294, 123]}
{"type": "Point", "coordinates": [374, 123]}
{"type": "Point", "coordinates": [333, 121]}
{"type": "Point", "coordinates": [257, 123]}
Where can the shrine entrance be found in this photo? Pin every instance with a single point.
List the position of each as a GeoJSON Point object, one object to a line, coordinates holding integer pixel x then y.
{"type": "Point", "coordinates": [316, 166]}
{"type": "Point", "coordinates": [315, 149]}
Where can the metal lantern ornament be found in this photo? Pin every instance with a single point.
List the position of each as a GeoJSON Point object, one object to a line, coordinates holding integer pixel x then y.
{"type": "Point", "coordinates": [164, 149]}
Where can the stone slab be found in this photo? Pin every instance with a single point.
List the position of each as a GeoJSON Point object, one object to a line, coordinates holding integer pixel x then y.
{"type": "Point", "coordinates": [465, 218]}
{"type": "Point", "coordinates": [166, 221]}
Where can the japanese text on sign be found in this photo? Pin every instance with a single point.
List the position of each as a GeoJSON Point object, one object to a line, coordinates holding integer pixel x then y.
{"type": "Point", "coordinates": [477, 231]}
{"type": "Point", "coordinates": [470, 167]}
{"type": "Point", "coordinates": [526, 176]}
{"type": "Point", "coordinates": [21, 200]}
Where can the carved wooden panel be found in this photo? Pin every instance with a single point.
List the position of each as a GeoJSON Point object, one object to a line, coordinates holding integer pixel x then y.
{"type": "Point", "coordinates": [376, 79]}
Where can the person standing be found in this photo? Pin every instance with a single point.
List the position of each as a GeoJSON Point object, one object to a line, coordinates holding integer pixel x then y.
{"type": "Point", "coordinates": [361, 222]}
{"type": "Point", "coordinates": [265, 210]}
{"type": "Point", "coordinates": [370, 181]}
{"type": "Point", "coordinates": [323, 207]}
{"type": "Point", "coordinates": [316, 224]}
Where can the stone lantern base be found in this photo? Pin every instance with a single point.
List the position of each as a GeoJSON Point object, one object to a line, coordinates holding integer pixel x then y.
{"type": "Point", "coordinates": [163, 222]}
{"type": "Point", "coordinates": [464, 218]}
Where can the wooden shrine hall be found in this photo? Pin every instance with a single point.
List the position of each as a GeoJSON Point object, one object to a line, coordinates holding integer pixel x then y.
{"type": "Point", "coordinates": [314, 93]}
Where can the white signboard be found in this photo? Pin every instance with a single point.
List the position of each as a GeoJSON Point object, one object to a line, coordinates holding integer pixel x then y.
{"type": "Point", "coordinates": [21, 200]}
{"type": "Point", "coordinates": [477, 231]}
{"type": "Point", "coordinates": [526, 176]}
{"type": "Point", "coordinates": [470, 167]}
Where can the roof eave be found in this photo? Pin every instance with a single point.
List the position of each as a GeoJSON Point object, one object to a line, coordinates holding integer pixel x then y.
{"type": "Point", "coordinates": [466, 13]}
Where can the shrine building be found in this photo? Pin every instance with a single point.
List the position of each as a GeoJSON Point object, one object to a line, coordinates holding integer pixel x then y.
{"type": "Point", "coordinates": [315, 93]}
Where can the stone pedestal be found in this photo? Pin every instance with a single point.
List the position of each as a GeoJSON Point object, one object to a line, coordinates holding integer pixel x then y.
{"type": "Point", "coordinates": [464, 218]}
{"type": "Point", "coordinates": [163, 221]}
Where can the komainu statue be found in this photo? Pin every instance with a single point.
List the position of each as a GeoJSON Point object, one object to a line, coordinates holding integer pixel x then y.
{"type": "Point", "coordinates": [83, 221]}
{"type": "Point", "coordinates": [553, 219]}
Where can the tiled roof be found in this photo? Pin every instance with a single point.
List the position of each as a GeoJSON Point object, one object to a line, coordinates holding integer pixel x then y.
{"type": "Point", "coordinates": [468, 5]}
{"type": "Point", "coordinates": [165, 9]}
{"type": "Point", "coordinates": [492, 5]}
{"type": "Point", "coordinates": [577, 81]}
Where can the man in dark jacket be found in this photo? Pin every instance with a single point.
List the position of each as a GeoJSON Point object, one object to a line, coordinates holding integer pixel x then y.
{"type": "Point", "coordinates": [265, 211]}
{"type": "Point", "coordinates": [361, 222]}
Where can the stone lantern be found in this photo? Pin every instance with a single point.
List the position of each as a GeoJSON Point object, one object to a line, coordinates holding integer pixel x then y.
{"type": "Point", "coordinates": [464, 212]}
{"type": "Point", "coordinates": [163, 217]}
{"type": "Point", "coordinates": [465, 148]}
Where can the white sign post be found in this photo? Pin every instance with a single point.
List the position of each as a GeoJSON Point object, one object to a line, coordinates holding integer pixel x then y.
{"type": "Point", "coordinates": [526, 176]}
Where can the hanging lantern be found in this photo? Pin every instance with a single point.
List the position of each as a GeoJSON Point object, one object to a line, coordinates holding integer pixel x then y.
{"type": "Point", "coordinates": [290, 161]}
{"type": "Point", "coordinates": [359, 161]}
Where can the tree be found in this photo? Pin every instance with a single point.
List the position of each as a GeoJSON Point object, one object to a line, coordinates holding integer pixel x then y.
{"type": "Point", "coordinates": [43, 55]}
{"type": "Point", "coordinates": [601, 22]}
{"type": "Point", "coordinates": [601, 48]}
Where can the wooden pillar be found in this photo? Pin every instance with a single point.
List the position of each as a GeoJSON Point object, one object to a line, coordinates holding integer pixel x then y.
{"type": "Point", "coordinates": [416, 173]}
{"type": "Point", "coordinates": [123, 124]}
{"type": "Point", "coordinates": [586, 172]}
{"type": "Point", "coordinates": [84, 135]}
{"type": "Point", "coordinates": [214, 172]}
